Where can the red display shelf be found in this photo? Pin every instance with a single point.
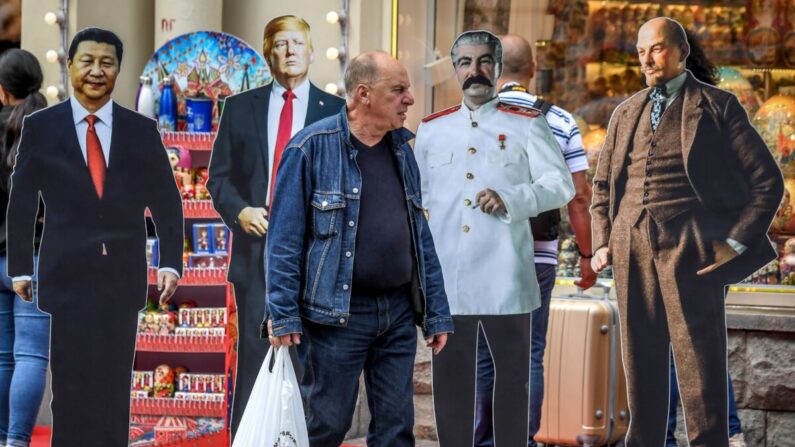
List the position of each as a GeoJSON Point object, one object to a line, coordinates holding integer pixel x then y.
{"type": "Point", "coordinates": [176, 407]}
{"type": "Point", "coordinates": [180, 343]}
{"type": "Point", "coordinates": [196, 209]}
{"type": "Point", "coordinates": [218, 439]}
{"type": "Point", "coordinates": [194, 141]}
{"type": "Point", "coordinates": [196, 276]}
{"type": "Point", "coordinates": [199, 209]}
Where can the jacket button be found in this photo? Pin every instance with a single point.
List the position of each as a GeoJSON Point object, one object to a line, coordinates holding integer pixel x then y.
{"type": "Point", "coordinates": [470, 175]}
{"type": "Point", "coordinates": [355, 190]}
{"type": "Point", "coordinates": [472, 150]}
{"type": "Point", "coordinates": [345, 287]}
{"type": "Point", "coordinates": [324, 203]}
{"type": "Point", "coordinates": [342, 321]}
{"type": "Point", "coordinates": [467, 202]}
{"type": "Point", "coordinates": [474, 124]}
{"type": "Point", "coordinates": [348, 254]}
{"type": "Point", "coordinates": [351, 223]}
{"type": "Point", "coordinates": [465, 228]}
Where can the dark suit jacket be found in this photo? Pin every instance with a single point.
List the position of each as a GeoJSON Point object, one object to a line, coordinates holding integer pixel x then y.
{"type": "Point", "coordinates": [77, 223]}
{"type": "Point", "coordinates": [240, 171]}
{"type": "Point", "coordinates": [728, 164]}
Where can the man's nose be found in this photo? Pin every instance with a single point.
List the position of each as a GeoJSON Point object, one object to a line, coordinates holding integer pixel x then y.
{"type": "Point", "coordinates": [409, 99]}
{"type": "Point", "coordinates": [96, 70]}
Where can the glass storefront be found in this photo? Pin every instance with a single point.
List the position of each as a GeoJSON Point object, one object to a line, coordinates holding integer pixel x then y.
{"type": "Point", "coordinates": [587, 64]}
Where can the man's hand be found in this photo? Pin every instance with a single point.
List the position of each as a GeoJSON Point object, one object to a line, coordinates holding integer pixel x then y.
{"type": "Point", "coordinates": [167, 284]}
{"type": "Point", "coordinates": [436, 342]}
{"type": "Point", "coordinates": [282, 340]}
{"type": "Point", "coordinates": [24, 289]}
{"type": "Point", "coordinates": [489, 202]}
{"type": "Point", "coordinates": [254, 221]}
{"type": "Point", "coordinates": [600, 260]}
{"type": "Point", "coordinates": [723, 254]}
{"type": "Point", "coordinates": [588, 275]}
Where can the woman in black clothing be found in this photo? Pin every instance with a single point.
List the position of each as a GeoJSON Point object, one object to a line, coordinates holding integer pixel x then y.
{"type": "Point", "coordinates": [24, 329]}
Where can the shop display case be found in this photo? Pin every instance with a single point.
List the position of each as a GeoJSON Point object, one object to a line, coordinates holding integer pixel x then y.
{"type": "Point", "coordinates": [595, 67]}
{"type": "Point", "coordinates": [196, 336]}
{"type": "Point", "coordinates": [204, 343]}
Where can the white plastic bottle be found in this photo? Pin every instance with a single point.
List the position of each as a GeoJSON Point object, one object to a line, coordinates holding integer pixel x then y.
{"type": "Point", "coordinates": [145, 104]}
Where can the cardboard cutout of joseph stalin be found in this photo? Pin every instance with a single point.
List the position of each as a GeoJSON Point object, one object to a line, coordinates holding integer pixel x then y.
{"type": "Point", "coordinates": [486, 168]}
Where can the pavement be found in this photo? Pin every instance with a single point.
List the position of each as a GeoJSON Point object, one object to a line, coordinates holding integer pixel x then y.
{"type": "Point", "coordinates": [358, 442]}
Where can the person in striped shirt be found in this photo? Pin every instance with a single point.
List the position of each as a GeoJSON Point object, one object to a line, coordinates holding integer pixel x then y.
{"type": "Point", "coordinates": [517, 72]}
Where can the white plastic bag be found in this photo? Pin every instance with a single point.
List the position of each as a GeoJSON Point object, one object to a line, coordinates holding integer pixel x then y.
{"type": "Point", "coordinates": [274, 414]}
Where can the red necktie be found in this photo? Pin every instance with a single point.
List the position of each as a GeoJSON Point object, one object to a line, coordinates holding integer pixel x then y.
{"type": "Point", "coordinates": [94, 156]}
{"type": "Point", "coordinates": [285, 132]}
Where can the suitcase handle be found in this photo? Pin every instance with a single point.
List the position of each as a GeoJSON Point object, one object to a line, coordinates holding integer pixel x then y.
{"type": "Point", "coordinates": [581, 293]}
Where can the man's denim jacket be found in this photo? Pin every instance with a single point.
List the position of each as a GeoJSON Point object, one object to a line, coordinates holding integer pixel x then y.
{"type": "Point", "coordinates": [313, 224]}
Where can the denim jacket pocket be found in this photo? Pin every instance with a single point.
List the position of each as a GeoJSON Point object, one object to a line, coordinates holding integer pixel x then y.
{"type": "Point", "coordinates": [325, 214]}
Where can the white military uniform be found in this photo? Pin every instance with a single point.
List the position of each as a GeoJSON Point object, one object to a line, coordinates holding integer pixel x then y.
{"type": "Point", "coordinates": [487, 260]}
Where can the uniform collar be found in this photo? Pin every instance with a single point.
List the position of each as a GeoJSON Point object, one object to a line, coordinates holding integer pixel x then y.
{"type": "Point", "coordinates": [484, 110]}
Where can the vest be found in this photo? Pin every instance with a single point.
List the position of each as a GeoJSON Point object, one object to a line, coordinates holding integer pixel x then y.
{"type": "Point", "coordinates": [654, 176]}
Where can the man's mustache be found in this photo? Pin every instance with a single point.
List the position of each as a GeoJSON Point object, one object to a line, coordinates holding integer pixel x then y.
{"type": "Point", "coordinates": [479, 79]}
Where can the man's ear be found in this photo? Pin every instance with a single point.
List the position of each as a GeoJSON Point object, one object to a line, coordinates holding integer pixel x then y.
{"type": "Point", "coordinates": [363, 94]}
{"type": "Point", "coordinates": [685, 51]}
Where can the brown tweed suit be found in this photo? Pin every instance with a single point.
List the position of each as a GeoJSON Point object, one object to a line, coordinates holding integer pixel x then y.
{"type": "Point", "coordinates": [659, 213]}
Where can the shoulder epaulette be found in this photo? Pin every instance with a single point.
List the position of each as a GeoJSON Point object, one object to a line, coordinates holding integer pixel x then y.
{"type": "Point", "coordinates": [444, 112]}
{"type": "Point", "coordinates": [518, 110]}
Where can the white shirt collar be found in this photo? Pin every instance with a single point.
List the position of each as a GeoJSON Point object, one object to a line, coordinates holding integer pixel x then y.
{"type": "Point", "coordinates": [79, 113]}
{"type": "Point", "coordinates": [301, 92]}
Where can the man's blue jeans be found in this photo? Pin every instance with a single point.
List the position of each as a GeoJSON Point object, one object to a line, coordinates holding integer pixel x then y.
{"type": "Point", "coordinates": [381, 340]}
{"type": "Point", "coordinates": [484, 434]}
{"type": "Point", "coordinates": [735, 427]}
{"type": "Point", "coordinates": [24, 353]}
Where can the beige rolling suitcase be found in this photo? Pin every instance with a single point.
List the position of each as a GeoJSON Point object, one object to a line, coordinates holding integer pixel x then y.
{"type": "Point", "coordinates": [585, 399]}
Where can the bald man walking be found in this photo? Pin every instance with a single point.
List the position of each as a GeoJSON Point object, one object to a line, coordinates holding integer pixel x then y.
{"type": "Point", "coordinates": [351, 262]}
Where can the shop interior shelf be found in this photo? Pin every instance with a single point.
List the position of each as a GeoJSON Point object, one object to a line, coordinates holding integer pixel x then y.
{"type": "Point", "coordinates": [180, 343]}
{"type": "Point", "coordinates": [200, 276]}
{"type": "Point", "coordinates": [176, 407]}
{"type": "Point", "coordinates": [194, 141]}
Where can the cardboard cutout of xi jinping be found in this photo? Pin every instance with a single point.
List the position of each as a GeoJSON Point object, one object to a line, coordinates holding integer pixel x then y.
{"type": "Point", "coordinates": [97, 167]}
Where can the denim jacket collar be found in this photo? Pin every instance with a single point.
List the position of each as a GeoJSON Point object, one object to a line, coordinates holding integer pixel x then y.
{"type": "Point", "coordinates": [397, 137]}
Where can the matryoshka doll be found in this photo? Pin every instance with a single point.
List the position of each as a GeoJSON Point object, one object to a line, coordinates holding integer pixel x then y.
{"type": "Point", "coordinates": [164, 381]}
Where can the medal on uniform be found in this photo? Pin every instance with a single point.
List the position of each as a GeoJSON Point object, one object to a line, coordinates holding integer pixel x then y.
{"type": "Point", "coordinates": [502, 141]}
